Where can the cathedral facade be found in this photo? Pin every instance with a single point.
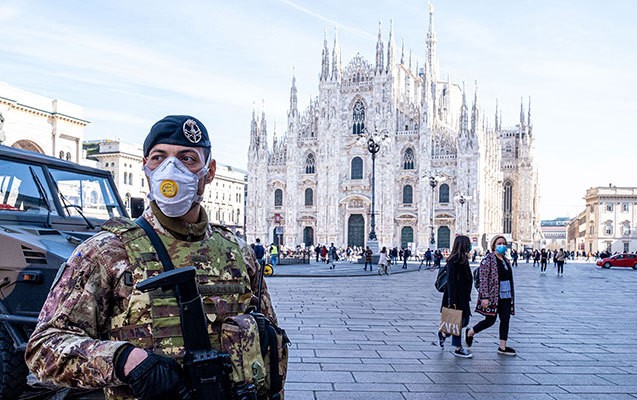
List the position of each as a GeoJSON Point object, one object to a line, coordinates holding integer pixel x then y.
{"type": "Point", "coordinates": [441, 168]}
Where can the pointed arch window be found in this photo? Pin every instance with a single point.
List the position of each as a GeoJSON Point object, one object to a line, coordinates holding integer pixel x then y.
{"type": "Point", "coordinates": [310, 163]}
{"type": "Point", "coordinates": [409, 159]}
{"type": "Point", "coordinates": [443, 193]}
{"type": "Point", "coordinates": [278, 198]}
{"type": "Point", "coordinates": [357, 168]}
{"type": "Point", "coordinates": [358, 118]}
{"type": "Point", "coordinates": [309, 197]}
{"type": "Point", "coordinates": [408, 194]}
{"type": "Point", "coordinates": [507, 203]}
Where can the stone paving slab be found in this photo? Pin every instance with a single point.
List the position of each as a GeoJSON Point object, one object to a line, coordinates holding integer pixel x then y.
{"type": "Point", "coordinates": [575, 336]}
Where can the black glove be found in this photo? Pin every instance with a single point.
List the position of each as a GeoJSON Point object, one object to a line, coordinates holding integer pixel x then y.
{"type": "Point", "coordinates": [157, 378]}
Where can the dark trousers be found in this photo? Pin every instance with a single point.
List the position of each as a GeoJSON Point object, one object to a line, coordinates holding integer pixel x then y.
{"type": "Point", "coordinates": [457, 340]}
{"type": "Point", "coordinates": [560, 267]}
{"type": "Point", "coordinates": [543, 266]}
{"type": "Point", "coordinates": [504, 312]}
{"type": "Point", "coordinates": [370, 265]}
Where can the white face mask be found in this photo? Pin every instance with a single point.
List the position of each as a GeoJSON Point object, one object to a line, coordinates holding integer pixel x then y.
{"type": "Point", "coordinates": [173, 187]}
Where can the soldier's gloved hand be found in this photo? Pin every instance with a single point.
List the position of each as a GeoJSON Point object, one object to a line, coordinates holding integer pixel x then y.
{"type": "Point", "coordinates": [157, 378]}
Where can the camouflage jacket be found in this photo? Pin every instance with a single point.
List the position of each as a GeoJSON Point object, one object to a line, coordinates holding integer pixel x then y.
{"type": "Point", "coordinates": [70, 345]}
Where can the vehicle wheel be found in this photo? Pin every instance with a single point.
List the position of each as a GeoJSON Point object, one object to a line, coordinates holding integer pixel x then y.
{"type": "Point", "coordinates": [268, 270]}
{"type": "Point", "coordinates": [606, 265]}
{"type": "Point", "coordinates": [13, 370]}
{"type": "Point", "coordinates": [635, 266]}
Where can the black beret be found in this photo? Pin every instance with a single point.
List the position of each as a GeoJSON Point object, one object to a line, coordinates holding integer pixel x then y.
{"type": "Point", "coordinates": [182, 130]}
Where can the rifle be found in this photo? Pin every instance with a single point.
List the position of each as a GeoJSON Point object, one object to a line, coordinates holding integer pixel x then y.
{"type": "Point", "coordinates": [207, 370]}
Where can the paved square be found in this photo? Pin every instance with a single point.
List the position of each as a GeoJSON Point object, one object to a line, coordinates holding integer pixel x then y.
{"type": "Point", "coordinates": [372, 337]}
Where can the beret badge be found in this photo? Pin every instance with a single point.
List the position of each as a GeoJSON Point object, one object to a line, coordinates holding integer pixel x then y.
{"type": "Point", "coordinates": [192, 131]}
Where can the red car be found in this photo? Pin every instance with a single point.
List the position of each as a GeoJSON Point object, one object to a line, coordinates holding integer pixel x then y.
{"type": "Point", "coordinates": [619, 260]}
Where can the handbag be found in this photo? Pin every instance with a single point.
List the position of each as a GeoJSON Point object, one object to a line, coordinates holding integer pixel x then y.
{"type": "Point", "coordinates": [450, 320]}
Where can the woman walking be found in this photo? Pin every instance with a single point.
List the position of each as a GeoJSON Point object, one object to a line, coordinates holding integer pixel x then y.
{"type": "Point", "coordinates": [383, 260]}
{"type": "Point", "coordinates": [559, 258]}
{"type": "Point", "coordinates": [496, 296]}
{"type": "Point", "coordinates": [543, 261]}
{"type": "Point", "coordinates": [458, 291]}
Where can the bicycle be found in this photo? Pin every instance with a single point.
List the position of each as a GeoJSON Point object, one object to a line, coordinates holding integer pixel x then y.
{"type": "Point", "coordinates": [384, 269]}
{"type": "Point", "coordinates": [430, 267]}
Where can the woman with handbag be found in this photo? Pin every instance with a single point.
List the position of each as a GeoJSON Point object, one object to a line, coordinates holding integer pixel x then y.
{"type": "Point", "coordinates": [457, 293]}
{"type": "Point", "coordinates": [495, 294]}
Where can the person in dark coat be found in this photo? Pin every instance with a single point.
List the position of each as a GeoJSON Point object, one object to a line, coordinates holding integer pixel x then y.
{"type": "Point", "coordinates": [458, 290]}
{"type": "Point", "coordinates": [496, 295]}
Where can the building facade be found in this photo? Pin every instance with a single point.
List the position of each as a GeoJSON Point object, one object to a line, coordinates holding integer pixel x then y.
{"type": "Point", "coordinates": [48, 126]}
{"type": "Point", "coordinates": [554, 233]}
{"type": "Point", "coordinates": [608, 223]}
{"type": "Point", "coordinates": [124, 161]}
{"type": "Point", "coordinates": [224, 200]}
{"type": "Point", "coordinates": [441, 170]}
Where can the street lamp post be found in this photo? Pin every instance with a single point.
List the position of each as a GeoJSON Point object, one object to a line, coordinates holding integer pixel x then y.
{"type": "Point", "coordinates": [374, 140]}
{"type": "Point", "coordinates": [433, 181]}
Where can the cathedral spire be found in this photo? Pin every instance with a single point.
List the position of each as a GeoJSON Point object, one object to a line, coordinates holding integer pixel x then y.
{"type": "Point", "coordinates": [528, 118]}
{"type": "Point", "coordinates": [497, 111]}
{"type": "Point", "coordinates": [379, 51]}
{"type": "Point", "coordinates": [474, 110]}
{"type": "Point", "coordinates": [522, 123]}
{"type": "Point", "coordinates": [390, 48]}
{"type": "Point", "coordinates": [336, 58]}
{"type": "Point", "coordinates": [464, 115]}
{"type": "Point", "coordinates": [254, 136]}
{"type": "Point", "coordinates": [293, 95]}
{"type": "Point", "coordinates": [402, 53]}
{"type": "Point", "coordinates": [431, 45]}
{"type": "Point", "coordinates": [263, 131]}
{"type": "Point", "coordinates": [325, 59]}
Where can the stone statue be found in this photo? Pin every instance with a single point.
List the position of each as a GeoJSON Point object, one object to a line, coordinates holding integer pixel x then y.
{"type": "Point", "coordinates": [2, 135]}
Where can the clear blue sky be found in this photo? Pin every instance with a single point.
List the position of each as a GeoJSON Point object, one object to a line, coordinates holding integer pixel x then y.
{"type": "Point", "coordinates": [129, 63]}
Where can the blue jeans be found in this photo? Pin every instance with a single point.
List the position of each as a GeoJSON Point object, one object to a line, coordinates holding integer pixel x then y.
{"type": "Point", "coordinates": [457, 340]}
{"type": "Point", "coordinates": [274, 259]}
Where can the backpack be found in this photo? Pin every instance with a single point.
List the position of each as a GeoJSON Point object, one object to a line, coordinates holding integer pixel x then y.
{"type": "Point", "coordinates": [476, 278]}
{"type": "Point", "coordinates": [441, 279]}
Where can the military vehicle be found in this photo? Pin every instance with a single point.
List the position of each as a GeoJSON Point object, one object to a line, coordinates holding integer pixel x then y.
{"type": "Point", "coordinates": [47, 207]}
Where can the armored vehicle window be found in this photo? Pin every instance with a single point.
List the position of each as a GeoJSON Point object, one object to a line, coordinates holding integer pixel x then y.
{"type": "Point", "coordinates": [23, 188]}
{"type": "Point", "coordinates": [90, 195]}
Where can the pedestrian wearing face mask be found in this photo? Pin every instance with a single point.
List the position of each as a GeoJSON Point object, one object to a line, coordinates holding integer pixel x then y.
{"type": "Point", "coordinates": [97, 330]}
{"type": "Point", "coordinates": [495, 294]}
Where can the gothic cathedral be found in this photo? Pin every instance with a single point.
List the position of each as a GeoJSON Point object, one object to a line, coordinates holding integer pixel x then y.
{"type": "Point", "coordinates": [401, 141]}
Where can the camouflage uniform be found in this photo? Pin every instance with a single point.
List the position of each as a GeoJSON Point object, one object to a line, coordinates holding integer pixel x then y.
{"type": "Point", "coordinates": [93, 310]}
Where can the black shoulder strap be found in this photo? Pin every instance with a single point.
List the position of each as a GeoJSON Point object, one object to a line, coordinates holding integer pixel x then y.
{"type": "Point", "coordinates": [162, 253]}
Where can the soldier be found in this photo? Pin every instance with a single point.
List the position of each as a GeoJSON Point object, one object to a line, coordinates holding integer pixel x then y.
{"type": "Point", "coordinates": [97, 330]}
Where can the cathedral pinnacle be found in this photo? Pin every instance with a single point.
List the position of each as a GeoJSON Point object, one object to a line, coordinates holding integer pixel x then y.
{"type": "Point", "coordinates": [390, 48]}
{"type": "Point", "coordinates": [431, 45]}
{"type": "Point", "coordinates": [336, 58]}
{"type": "Point", "coordinates": [379, 51]}
{"type": "Point", "coordinates": [325, 59]}
{"type": "Point", "coordinates": [293, 95]}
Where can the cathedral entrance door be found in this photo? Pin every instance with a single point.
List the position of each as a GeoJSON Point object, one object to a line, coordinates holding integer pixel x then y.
{"type": "Point", "coordinates": [356, 230]}
{"type": "Point", "coordinates": [444, 238]}
{"type": "Point", "coordinates": [406, 236]}
{"type": "Point", "coordinates": [308, 236]}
